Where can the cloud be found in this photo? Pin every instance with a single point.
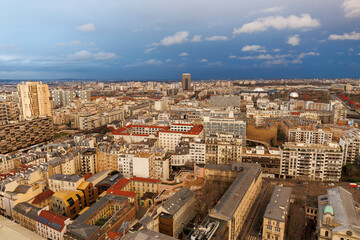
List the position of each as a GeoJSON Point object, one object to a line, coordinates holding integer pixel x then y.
{"type": "Point", "coordinates": [232, 57]}
{"type": "Point", "coordinates": [196, 38]}
{"type": "Point", "coordinates": [71, 43]}
{"type": "Point", "coordinates": [168, 60]}
{"type": "Point", "coordinates": [86, 27]}
{"type": "Point", "coordinates": [271, 9]}
{"type": "Point", "coordinates": [217, 38]}
{"type": "Point", "coordinates": [105, 56]}
{"type": "Point", "coordinates": [149, 62]}
{"type": "Point", "coordinates": [302, 55]}
{"type": "Point", "coordinates": [183, 54]}
{"type": "Point", "coordinates": [276, 50]}
{"type": "Point", "coordinates": [177, 38]}
{"type": "Point", "coordinates": [351, 8]}
{"type": "Point", "coordinates": [10, 47]}
{"type": "Point", "coordinates": [293, 40]}
{"type": "Point", "coordinates": [215, 64]}
{"type": "Point", "coordinates": [346, 36]}
{"type": "Point", "coordinates": [253, 48]}
{"type": "Point", "coordinates": [86, 55]}
{"type": "Point", "coordinates": [149, 50]}
{"type": "Point", "coordinates": [204, 60]}
{"type": "Point", "coordinates": [304, 22]}
{"type": "Point", "coordinates": [81, 55]}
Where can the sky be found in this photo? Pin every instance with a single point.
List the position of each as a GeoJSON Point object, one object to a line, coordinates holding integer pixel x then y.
{"type": "Point", "coordinates": [161, 39]}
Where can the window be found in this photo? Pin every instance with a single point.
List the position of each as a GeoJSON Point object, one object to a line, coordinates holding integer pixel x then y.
{"type": "Point", "coordinates": [277, 229]}
{"type": "Point", "coordinates": [269, 227]}
{"type": "Point", "coordinates": [326, 233]}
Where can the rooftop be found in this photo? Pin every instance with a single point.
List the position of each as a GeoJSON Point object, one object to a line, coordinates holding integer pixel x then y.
{"type": "Point", "coordinates": [42, 196]}
{"type": "Point", "coordinates": [175, 202]}
{"type": "Point", "coordinates": [52, 219]}
{"type": "Point", "coordinates": [278, 206]}
{"type": "Point", "coordinates": [67, 178]}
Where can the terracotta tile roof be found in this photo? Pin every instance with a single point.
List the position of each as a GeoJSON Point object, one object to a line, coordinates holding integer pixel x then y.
{"type": "Point", "coordinates": [42, 196]}
{"type": "Point", "coordinates": [86, 176]}
{"type": "Point", "coordinates": [114, 235]}
{"type": "Point", "coordinates": [140, 179]}
{"type": "Point", "coordinates": [51, 218]}
{"type": "Point", "coordinates": [119, 184]}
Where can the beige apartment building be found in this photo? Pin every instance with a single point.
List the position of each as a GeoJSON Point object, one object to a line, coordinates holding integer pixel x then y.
{"type": "Point", "coordinates": [275, 217]}
{"type": "Point", "coordinates": [321, 162]}
{"type": "Point", "coordinates": [223, 149]}
{"type": "Point", "coordinates": [319, 136]}
{"type": "Point", "coordinates": [34, 99]}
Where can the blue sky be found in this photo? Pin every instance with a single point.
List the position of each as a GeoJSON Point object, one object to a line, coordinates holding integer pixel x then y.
{"type": "Point", "coordinates": [160, 39]}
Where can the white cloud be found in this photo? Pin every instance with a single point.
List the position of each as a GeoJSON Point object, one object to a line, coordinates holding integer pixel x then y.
{"type": "Point", "coordinates": [177, 38]}
{"type": "Point", "coordinates": [304, 22]}
{"type": "Point", "coordinates": [346, 36]}
{"type": "Point", "coordinates": [217, 38]}
{"type": "Point", "coordinates": [253, 48]}
{"type": "Point", "coordinates": [358, 54]}
{"type": "Point", "coordinates": [149, 50]}
{"type": "Point", "coordinates": [86, 27]}
{"type": "Point", "coordinates": [196, 38]}
{"type": "Point", "coordinates": [215, 64]}
{"type": "Point", "coordinates": [81, 55]}
{"type": "Point", "coordinates": [86, 55]}
{"type": "Point", "coordinates": [351, 8]}
{"type": "Point", "coordinates": [276, 50]}
{"type": "Point", "coordinates": [293, 40]}
{"type": "Point", "coordinates": [105, 56]}
{"type": "Point", "coordinates": [204, 60]}
{"type": "Point", "coordinates": [168, 60]}
{"type": "Point", "coordinates": [183, 54]}
{"type": "Point", "coordinates": [232, 57]}
{"type": "Point", "coordinates": [271, 9]}
{"type": "Point", "coordinates": [71, 43]}
{"type": "Point", "coordinates": [302, 55]}
{"type": "Point", "coordinates": [153, 62]}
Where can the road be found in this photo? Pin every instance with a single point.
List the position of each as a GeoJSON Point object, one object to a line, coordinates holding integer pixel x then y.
{"type": "Point", "coordinates": [252, 227]}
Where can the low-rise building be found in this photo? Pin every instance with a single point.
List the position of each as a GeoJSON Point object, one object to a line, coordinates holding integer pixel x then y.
{"type": "Point", "coordinates": [51, 225]}
{"type": "Point", "coordinates": [25, 214]}
{"type": "Point", "coordinates": [61, 182]}
{"type": "Point", "coordinates": [275, 217]}
{"type": "Point", "coordinates": [68, 203]}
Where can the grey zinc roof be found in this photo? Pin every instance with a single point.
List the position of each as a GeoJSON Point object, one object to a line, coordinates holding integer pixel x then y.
{"type": "Point", "coordinates": [68, 178]}
{"type": "Point", "coordinates": [231, 199]}
{"type": "Point", "coordinates": [22, 189]}
{"type": "Point", "coordinates": [175, 202]}
{"type": "Point", "coordinates": [278, 207]}
{"type": "Point", "coordinates": [84, 231]}
{"type": "Point", "coordinates": [27, 210]}
{"type": "Point", "coordinates": [345, 212]}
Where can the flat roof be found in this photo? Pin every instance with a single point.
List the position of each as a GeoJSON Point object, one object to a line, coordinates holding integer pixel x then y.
{"type": "Point", "coordinates": [14, 231]}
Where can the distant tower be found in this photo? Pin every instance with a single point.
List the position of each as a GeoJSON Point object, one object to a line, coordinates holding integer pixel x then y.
{"type": "Point", "coordinates": [186, 81]}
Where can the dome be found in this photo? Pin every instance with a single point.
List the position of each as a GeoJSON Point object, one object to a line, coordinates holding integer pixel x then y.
{"type": "Point", "coordinates": [259, 90]}
{"type": "Point", "coordinates": [294, 95]}
{"type": "Point", "coordinates": [328, 209]}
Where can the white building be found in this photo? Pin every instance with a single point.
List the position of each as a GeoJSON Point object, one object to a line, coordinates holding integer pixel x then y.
{"type": "Point", "coordinates": [197, 151]}
{"type": "Point", "coordinates": [60, 182]}
{"type": "Point", "coordinates": [51, 225]}
{"type": "Point", "coordinates": [144, 165]}
{"type": "Point", "coordinates": [318, 136]}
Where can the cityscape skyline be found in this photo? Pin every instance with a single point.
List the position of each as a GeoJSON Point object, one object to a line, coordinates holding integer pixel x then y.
{"type": "Point", "coordinates": [148, 40]}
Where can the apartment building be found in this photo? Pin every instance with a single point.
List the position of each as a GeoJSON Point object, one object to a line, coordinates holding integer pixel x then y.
{"type": "Point", "coordinates": [26, 133]}
{"type": "Point", "coordinates": [198, 151]}
{"type": "Point", "coordinates": [350, 144]}
{"type": "Point", "coordinates": [34, 99]}
{"type": "Point", "coordinates": [88, 161]}
{"type": "Point", "coordinates": [319, 136]}
{"type": "Point", "coordinates": [222, 149]}
{"type": "Point", "coordinates": [311, 161]}
{"type": "Point", "coordinates": [228, 126]}
{"type": "Point", "coordinates": [338, 215]}
{"type": "Point", "coordinates": [51, 225]}
{"type": "Point", "coordinates": [68, 203]}
{"type": "Point", "coordinates": [143, 185]}
{"type": "Point", "coordinates": [235, 204]}
{"type": "Point", "coordinates": [144, 165]}
{"type": "Point", "coordinates": [170, 138]}
{"type": "Point", "coordinates": [9, 112]}
{"type": "Point", "coordinates": [85, 95]}
{"type": "Point", "coordinates": [260, 116]}
{"type": "Point", "coordinates": [106, 156]}
{"type": "Point", "coordinates": [176, 212]}
{"type": "Point", "coordinates": [338, 112]}
{"type": "Point", "coordinates": [62, 98]}
{"type": "Point", "coordinates": [275, 217]}
{"type": "Point", "coordinates": [25, 214]}
{"type": "Point", "coordinates": [60, 182]}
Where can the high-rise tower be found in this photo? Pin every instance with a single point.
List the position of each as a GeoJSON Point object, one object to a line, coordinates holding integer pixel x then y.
{"type": "Point", "coordinates": [186, 81]}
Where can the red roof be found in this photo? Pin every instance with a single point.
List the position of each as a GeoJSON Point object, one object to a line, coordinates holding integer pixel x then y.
{"type": "Point", "coordinates": [87, 176]}
{"type": "Point", "coordinates": [120, 193]}
{"type": "Point", "coordinates": [42, 196]}
{"type": "Point", "coordinates": [119, 184]}
{"type": "Point", "coordinates": [52, 217]}
{"type": "Point", "coordinates": [120, 131]}
{"type": "Point", "coordinates": [114, 235]}
{"type": "Point", "coordinates": [140, 179]}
